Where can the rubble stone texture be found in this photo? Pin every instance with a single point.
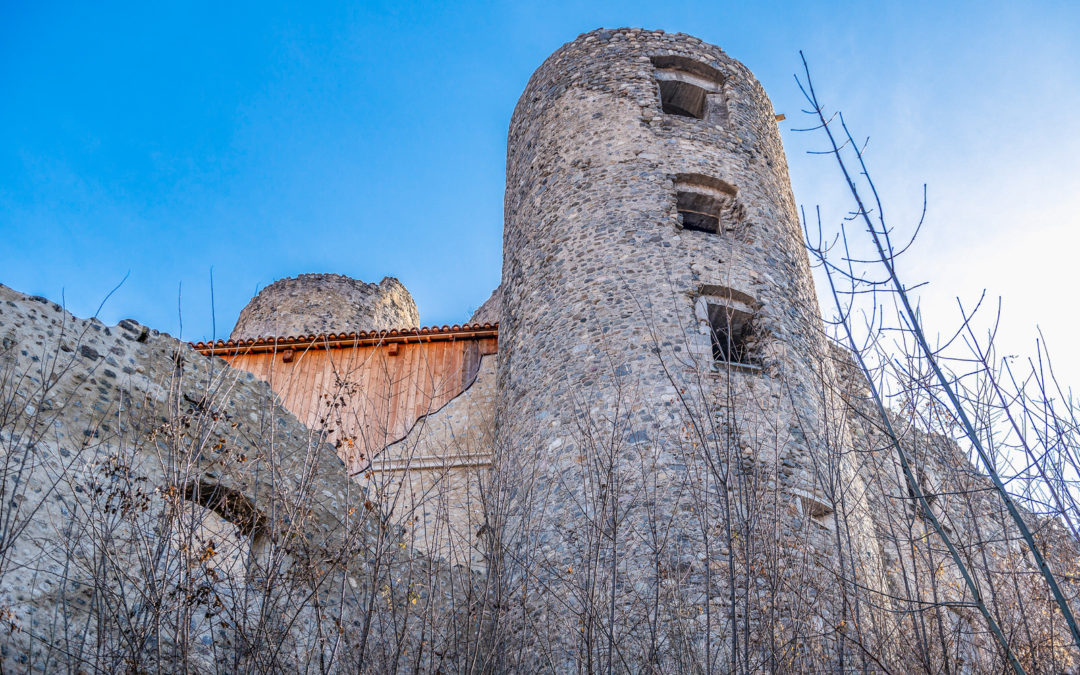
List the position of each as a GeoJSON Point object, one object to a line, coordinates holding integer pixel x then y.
{"type": "Point", "coordinates": [601, 329]}
{"type": "Point", "coordinates": [313, 304]}
{"type": "Point", "coordinates": [662, 504]}
{"type": "Point", "coordinates": [148, 489]}
{"type": "Point", "coordinates": [641, 496]}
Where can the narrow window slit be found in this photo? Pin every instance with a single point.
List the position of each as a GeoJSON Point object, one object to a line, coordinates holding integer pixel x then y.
{"type": "Point", "coordinates": [698, 212]}
{"type": "Point", "coordinates": [682, 98]}
{"type": "Point", "coordinates": [701, 222]}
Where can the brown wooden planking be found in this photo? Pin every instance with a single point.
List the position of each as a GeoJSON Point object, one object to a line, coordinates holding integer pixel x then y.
{"type": "Point", "coordinates": [391, 392]}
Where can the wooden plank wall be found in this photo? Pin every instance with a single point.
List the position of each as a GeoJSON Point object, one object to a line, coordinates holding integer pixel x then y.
{"type": "Point", "coordinates": [367, 397]}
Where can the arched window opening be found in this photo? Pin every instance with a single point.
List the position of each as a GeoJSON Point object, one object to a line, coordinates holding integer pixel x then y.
{"type": "Point", "coordinates": [689, 88]}
{"type": "Point", "coordinates": [730, 319]}
{"type": "Point", "coordinates": [705, 204]}
{"type": "Point", "coordinates": [229, 504]}
{"type": "Point", "coordinates": [815, 506]}
{"type": "Point", "coordinates": [687, 65]}
{"type": "Point", "coordinates": [698, 212]}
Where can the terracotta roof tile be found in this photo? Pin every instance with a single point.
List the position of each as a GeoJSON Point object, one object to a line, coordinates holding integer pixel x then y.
{"type": "Point", "coordinates": [353, 339]}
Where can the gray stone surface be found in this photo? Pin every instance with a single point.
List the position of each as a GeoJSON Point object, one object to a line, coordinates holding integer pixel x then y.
{"type": "Point", "coordinates": [163, 512]}
{"type": "Point", "coordinates": [649, 506]}
{"type": "Point", "coordinates": [612, 409]}
{"type": "Point", "coordinates": [312, 304]}
{"type": "Point", "coordinates": [601, 335]}
{"type": "Point", "coordinates": [660, 506]}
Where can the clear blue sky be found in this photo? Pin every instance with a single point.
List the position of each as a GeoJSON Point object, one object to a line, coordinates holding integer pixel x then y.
{"type": "Point", "coordinates": [266, 140]}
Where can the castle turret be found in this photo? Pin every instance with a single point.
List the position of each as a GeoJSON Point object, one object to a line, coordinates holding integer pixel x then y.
{"type": "Point", "coordinates": [662, 357]}
{"type": "Point", "coordinates": [311, 304]}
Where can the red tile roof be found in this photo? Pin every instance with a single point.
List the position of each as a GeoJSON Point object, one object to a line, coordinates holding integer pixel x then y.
{"type": "Point", "coordinates": [471, 331]}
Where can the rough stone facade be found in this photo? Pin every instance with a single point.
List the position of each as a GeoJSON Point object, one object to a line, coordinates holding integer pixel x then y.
{"type": "Point", "coordinates": [673, 469]}
{"type": "Point", "coordinates": [152, 494]}
{"type": "Point", "coordinates": [312, 304]}
{"type": "Point", "coordinates": [681, 479]}
{"type": "Point", "coordinates": [605, 340]}
{"type": "Point", "coordinates": [667, 467]}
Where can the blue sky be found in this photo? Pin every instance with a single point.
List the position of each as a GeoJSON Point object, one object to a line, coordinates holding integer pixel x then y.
{"type": "Point", "coordinates": [265, 140]}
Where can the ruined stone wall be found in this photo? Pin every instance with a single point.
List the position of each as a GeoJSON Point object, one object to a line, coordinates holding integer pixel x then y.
{"type": "Point", "coordinates": [924, 591]}
{"type": "Point", "coordinates": [162, 511]}
{"type": "Point", "coordinates": [313, 304]}
{"type": "Point", "coordinates": [640, 497]}
{"type": "Point", "coordinates": [612, 411]}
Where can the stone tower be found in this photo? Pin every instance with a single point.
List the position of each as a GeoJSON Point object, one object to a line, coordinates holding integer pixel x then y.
{"type": "Point", "coordinates": [662, 357]}
{"type": "Point", "coordinates": [311, 304]}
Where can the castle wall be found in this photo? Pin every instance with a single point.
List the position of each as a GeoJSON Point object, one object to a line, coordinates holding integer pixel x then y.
{"type": "Point", "coordinates": [110, 428]}
{"type": "Point", "coordinates": [615, 488]}
{"type": "Point", "coordinates": [671, 469]}
{"type": "Point", "coordinates": [313, 304]}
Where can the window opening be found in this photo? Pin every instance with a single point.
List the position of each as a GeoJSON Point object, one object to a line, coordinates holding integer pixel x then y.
{"type": "Point", "coordinates": [227, 503]}
{"type": "Point", "coordinates": [682, 98]}
{"type": "Point", "coordinates": [698, 212]}
{"type": "Point", "coordinates": [687, 86]}
{"type": "Point", "coordinates": [732, 334]}
{"type": "Point", "coordinates": [705, 204]}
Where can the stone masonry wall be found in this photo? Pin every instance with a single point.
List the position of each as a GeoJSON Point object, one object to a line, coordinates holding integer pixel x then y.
{"type": "Point", "coordinates": [614, 490]}
{"type": "Point", "coordinates": [612, 410]}
{"type": "Point", "coordinates": [313, 304]}
{"type": "Point", "coordinates": [162, 511]}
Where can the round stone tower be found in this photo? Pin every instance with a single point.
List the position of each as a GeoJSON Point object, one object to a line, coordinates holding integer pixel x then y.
{"type": "Point", "coordinates": [662, 359]}
{"type": "Point", "coordinates": [311, 304]}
